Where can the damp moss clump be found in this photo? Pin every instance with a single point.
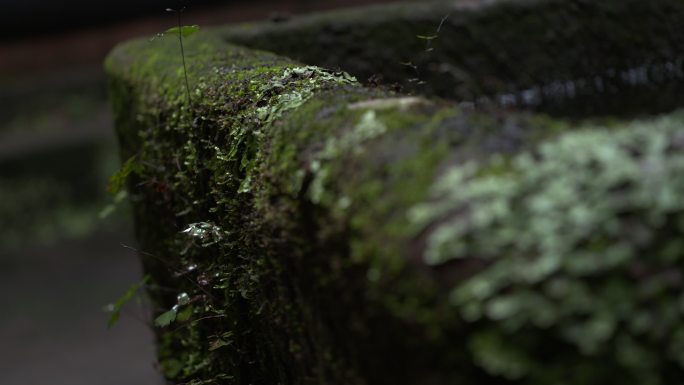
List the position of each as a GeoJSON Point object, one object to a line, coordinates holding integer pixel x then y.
{"type": "Point", "coordinates": [299, 228]}
{"type": "Point", "coordinates": [250, 205]}
{"type": "Point", "coordinates": [193, 188]}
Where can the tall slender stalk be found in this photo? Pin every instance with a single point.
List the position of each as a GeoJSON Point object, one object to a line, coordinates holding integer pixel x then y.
{"type": "Point", "coordinates": [185, 68]}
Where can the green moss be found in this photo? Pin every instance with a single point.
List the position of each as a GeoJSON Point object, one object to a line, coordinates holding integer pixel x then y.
{"type": "Point", "coordinates": [302, 229]}
{"type": "Point", "coordinates": [559, 232]}
{"type": "Point", "coordinates": [240, 285]}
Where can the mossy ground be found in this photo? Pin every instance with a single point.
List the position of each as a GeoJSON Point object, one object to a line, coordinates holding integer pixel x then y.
{"type": "Point", "coordinates": [303, 229]}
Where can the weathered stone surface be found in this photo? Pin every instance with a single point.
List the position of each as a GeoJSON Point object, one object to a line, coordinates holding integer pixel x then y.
{"type": "Point", "coordinates": [564, 57]}
{"type": "Point", "coordinates": [304, 229]}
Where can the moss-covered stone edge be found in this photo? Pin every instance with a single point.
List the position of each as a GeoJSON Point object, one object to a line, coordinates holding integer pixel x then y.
{"type": "Point", "coordinates": [300, 181]}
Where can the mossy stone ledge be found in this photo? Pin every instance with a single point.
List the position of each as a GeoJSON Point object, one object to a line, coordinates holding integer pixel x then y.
{"type": "Point", "coordinates": [301, 228]}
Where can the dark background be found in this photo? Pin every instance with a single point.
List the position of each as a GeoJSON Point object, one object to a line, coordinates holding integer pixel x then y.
{"type": "Point", "coordinates": [60, 16]}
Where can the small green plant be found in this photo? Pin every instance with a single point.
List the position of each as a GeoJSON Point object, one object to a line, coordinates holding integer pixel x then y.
{"type": "Point", "coordinates": [117, 183]}
{"type": "Point", "coordinates": [429, 38]}
{"type": "Point", "coordinates": [182, 31]}
{"type": "Point", "coordinates": [118, 180]}
{"type": "Point", "coordinates": [115, 308]}
{"type": "Point", "coordinates": [428, 48]}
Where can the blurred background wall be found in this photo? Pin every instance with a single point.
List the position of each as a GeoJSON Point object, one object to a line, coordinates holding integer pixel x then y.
{"type": "Point", "coordinates": [65, 245]}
